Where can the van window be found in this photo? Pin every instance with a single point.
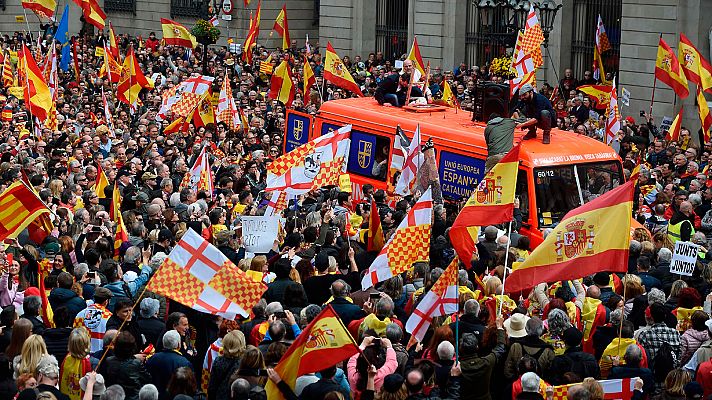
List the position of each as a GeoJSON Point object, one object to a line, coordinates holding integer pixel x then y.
{"type": "Point", "coordinates": [368, 156]}
{"type": "Point", "coordinates": [459, 175]}
{"type": "Point", "coordinates": [522, 193]}
{"type": "Point", "coordinates": [557, 190]}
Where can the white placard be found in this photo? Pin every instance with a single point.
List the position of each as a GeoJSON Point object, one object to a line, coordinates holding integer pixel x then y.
{"type": "Point", "coordinates": [625, 97]}
{"type": "Point", "coordinates": [226, 17]}
{"type": "Point", "coordinates": [684, 258]}
{"type": "Point", "coordinates": [665, 124]}
{"type": "Point", "coordinates": [259, 233]}
{"type": "Point", "coordinates": [398, 64]}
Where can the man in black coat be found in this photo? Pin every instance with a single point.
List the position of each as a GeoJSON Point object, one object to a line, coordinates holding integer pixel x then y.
{"type": "Point", "coordinates": [64, 296]}
{"type": "Point", "coordinates": [344, 308]}
{"type": "Point", "coordinates": [574, 360]}
{"type": "Point", "coordinates": [469, 322]}
{"type": "Point", "coordinates": [275, 290]}
{"type": "Point", "coordinates": [148, 321]}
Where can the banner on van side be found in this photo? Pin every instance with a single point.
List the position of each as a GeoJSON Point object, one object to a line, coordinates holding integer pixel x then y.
{"type": "Point", "coordinates": [298, 128]}
{"type": "Point", "coordinates": [459, 175]}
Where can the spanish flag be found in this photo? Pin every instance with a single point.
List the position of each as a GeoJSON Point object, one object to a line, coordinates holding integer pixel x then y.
{"type": "Point", "coordinates": [93, 13]}
{"type": "Point", "coordinates": [36, 89]}
{"type": "Point", "coordinates": [591, 238]}
{"type": "Point", "coordinates": [121, 232]}
{"type": "Point", "coordinates": [101, 182]}
{"type": "Point", "coordinates": [204, 113]}
{"type": "Point", "coordinates": [415, 56]}
{"type": "Point", "coordinates": [697, 68]}
{"type": "Point", "coordinates": [448, 97]}
{"type": "Point", "coordinates": [252, 34]}
{"type": "Point", "coordinates": [593, 315]}
{"type": "Point", "coordinates": [178, 125]}
{"type": "Point", "coordinates": [705, 117]}
{"type": "Point", "coordinates": [113, 43]}
{"type": "Point", "coordinates": [492, 202]}
{"type": "Point", "coordinates": [281, 86]}
{"type": "Point", "coordinates": [43, 8]}
{"type": "Point", "coordinates": [600, 93]}
{"type": "Point", "coordinates": [132, 80]}
{"type": "Point", "coordinates": [177, 35]}
{"type": "Point", "coordinates": [309, 77]}
{"type": "Point", "coordinates": [336, 72]}
{"type": "Point", "coordinates": [19, 207]}
{"type": "Point", "coordinates": [376, 240]}
{"type": "Point", "coordinates": [282, 27]}
{"type": "Point", "coordinates": [673, 133]}
{"type": "Point", "coordinates": [669, 71]}
{"type": "Point", "coordinates": [110, 68]}
{"type": "Point", "coordinates": [322, 344]}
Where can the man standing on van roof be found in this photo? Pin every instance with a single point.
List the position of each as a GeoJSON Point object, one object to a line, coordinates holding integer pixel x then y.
{"type": "Point", "coordinates": [539, 111]}
{"type": "Point", "coordinates": [499, 135]}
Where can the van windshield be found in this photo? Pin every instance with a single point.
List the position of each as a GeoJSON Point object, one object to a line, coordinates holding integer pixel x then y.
{"type": "Point", "coordinates": [558, 191]}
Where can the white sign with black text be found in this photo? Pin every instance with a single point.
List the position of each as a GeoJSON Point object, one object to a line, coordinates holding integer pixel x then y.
{"type": "Point", "coordinates": [259, 233]}
{"type": "Point", "coordinates": [684, 258]}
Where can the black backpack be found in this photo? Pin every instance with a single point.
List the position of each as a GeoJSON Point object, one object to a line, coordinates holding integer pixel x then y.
{"type": "Point", "coordinates": [664, 361]}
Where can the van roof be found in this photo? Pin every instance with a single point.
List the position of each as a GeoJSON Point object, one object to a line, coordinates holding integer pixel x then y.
{"type": "Point", "coordinates": [457, 130]}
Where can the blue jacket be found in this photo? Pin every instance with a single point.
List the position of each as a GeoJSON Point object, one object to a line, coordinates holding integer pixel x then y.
{"type": "Point", "coordinates": [117, 288]}
{"type": "Point", "coordinates": [162, 365]}
{"type": "Point", "coordinates": [347, 311]}
{"type": "Point", "coordinates": [59, 297]}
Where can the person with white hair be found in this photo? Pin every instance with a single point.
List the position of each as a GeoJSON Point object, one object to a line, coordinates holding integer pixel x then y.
{"type": "Point", "coordinates": [47, 380]}
{"type": "Point", "coordinates": [530, 387]}
{"type": "Point", "coordinates": [164, 363]}
{"type": "Point", "coordinates": [114, 392]}
{"type": "Point", "coordinates": [148, 392]}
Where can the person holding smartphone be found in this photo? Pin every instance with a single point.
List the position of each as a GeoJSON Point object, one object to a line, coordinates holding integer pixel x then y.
{"type": "Point", "coordinates": [12, 283]}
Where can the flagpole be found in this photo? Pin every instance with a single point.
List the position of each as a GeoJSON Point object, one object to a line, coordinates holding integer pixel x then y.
{"type": "Point", "coordinates": [506, 261]}
{"type": "Point", "coordinates": [24, 10]}
{"type": "Point", "coordinates": [457, 315]}
{"type": "Point", "coordinates": [38, 197]}
{"type": "Point", "coordinates": [652, 97]}
{"type": "Point", "coordinates": [620, 328]}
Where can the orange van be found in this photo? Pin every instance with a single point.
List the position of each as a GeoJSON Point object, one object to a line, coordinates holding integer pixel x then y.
{"type": "Point", "coordinates": [552, 180]}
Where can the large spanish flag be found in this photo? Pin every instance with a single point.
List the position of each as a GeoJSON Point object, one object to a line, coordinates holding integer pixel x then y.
{"type": "Point", "coordinates": [322, 344]}
{"type": "Point", "coordinates": [591, 238]}
{"type": "Point", "coordinates": [281, 86]}
{"type": "Point", "coordinates": [281, 26]}
{"type": "Point", "coordinates": [19, 207]}
{"type": "Point", "coordinates": [253, 34]}
{"type": "Point", "coordinates": [176, 34]}
{"type": "Point", "coordinates": [36, 91]}
{"type": "Point", "coordinates": [492, 202]}
{"type": "Point", "coordinates": [93, 13]}
{"type": "Point", "coordinates": [669, 71]}
{"type": "Point", "coordinates": [43, 8]}
{"type": "Point", "coordinates": [697, 68]}
{"type": "Point", "coordinates": [337, 73]}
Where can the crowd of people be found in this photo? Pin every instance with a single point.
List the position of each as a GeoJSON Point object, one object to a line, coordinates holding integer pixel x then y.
{"type": "Point", "coordinates": [102, 341]}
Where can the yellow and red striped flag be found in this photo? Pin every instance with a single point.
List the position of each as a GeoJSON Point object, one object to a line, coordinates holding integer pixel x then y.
{"type": "Point", "coordinates": [705, 117]}
{"type": "Point", "coordinates": [101, 182]}
{"type": "Point", "coordinates": [376, 240]}
{"type": "Point", "coordinates": [132, 80]}
{"type": "Point", "coordinates": [322, 344]}
{"type": "Point", "coordinates": [36, 91]}
{"type": "Point", "coordinates": [414, 55]}
{"type": "Point", "coordinates": [122, 234]}
{"type": "Point", "coordinates": [252, 34]}
{"type": "Point", "coordinates": [673, 132]}
{"type": "Point", "coordinates": [600, 93]}
{"type": "Point", "coordinates": [113, 43]}
{"type": "Point", "coordinates": [409, 244]}
{"type": "Point", "coordinates": [281, 86]}
{"type": "Point", "coordinates": [282, 27]}
{"type": "Point", "coordinates": [19, 207]}
{"type": "Point", "coordinates": [43, 8]}
{"type": "Point", "coordinates": [337, 73]}
{"type": "Point", "coordinates": [204, 113]}
{"type": "Point", "coordinates": [448, 97]}
{"type": "Point", "coordinates": [176, 34]}
{"type": "Point", "coordinates": [669, 71]}
{"type": "Point", "coordinates": [492, 202]}
{"type": "Point", "coordinates": [7, 76]}
{"type": "Point", "coordinates": [93, 14]}
{"type": "Point", "coordinates": [591, 238]}
{"type": "Point", "coordinates": [309, 77]}
{"type": "Point", "coordinates": [697, 68]}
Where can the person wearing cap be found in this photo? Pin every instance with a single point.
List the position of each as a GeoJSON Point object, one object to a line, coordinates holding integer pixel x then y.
{"type": "Point", "coordinates": [538, 111]}
{"type": "Point", "coordinates": [150, 184]}
{"type": "Point", "coordinates": [574, 360]}
{"type": "Point", "coordinates": [95, 317]}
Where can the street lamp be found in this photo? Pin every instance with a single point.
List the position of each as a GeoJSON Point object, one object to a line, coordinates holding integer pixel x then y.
{"type": "Point", "coordinates": [520, 10]}
{"type": "Point", "coordinates": [547, 15]}
{"type": "Point", "coordinates": [486, 11]}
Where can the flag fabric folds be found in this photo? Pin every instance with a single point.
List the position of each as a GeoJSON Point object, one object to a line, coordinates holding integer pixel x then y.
{"type": "Point", "coordinates": [533, 38]}
{"type": "Point", "coordinates": [101, 182]}
{"type": "Point", "coordinates": [410, 243]}
{"type": "Point", "coordinates": [252, 34]}
{"type": "Point", "coordinates": [448, 97]}
{"type": "Point", "coordinates": [309, 78]}
{"type": "Point", "coordinates": [613, 389]}
{"type": "Point", "coordinates": [282, 27]}
{"type": "Point", "coordinates": [441, 299]}
{"type": "Point", "coordinates": [122, 235]}
{"type": "Point", "coordinates": [62, 36]}
{"type": "Point", "coordinates": [198, 275]}
{"type": "Point", "coordinates": [413, 160]}
{"type": "Point", "coordinates": [705, 117]}
{"type": "Point", "coordinates": [375, 229]}
{"type": "Point", "coordinates": [93, 14]}
{"type": "Point", "coordinates": [322, 344]}
{"type": "Point", "coordinates": [132, 80]}
{"type": "Point", "coordinates": [43, 8]}
{"type": "Point", "coordinates": [669, 71]}
{"type": "Point", "coordinates": [600, 93]}
{"type": "Point", "coordinates": [199, 176]}
{"type": "Point", "coordinates": [19, 207]}
{"type": "Point", "coordinates": [613, 123]}
{"type": "Point", "coordinates": [697, 68]}
{"type": "Point", "coordinates": [492, 202]}
{"type": "Point", "coordinates": [227, 109]}
{"type": "Point", "coordinates": [277, 203]}
{"type": "Point", "coordinates": [36, 91]}
{"type": "Point", "coordinates": [602, 42]}
{"type": "Point", "coordinates": [673, 133]}
{"type": "Point", "coordinates": [414, 55]}
{"type": "Point", "coordinates": [110, 68]}
{"type": "Point", "coordinates": [337, 73]}
{"type": "Point", "coordinates": [7, 74]}
{"type": "Point", "coordinates": [281, 86]}
{"type": "Point", "coordinates": [591, 238]}
{"type": "Point", "coordinates": [113, 43]}
{"type": "Point", "coordinates": [175, 34]}
{"type": "Point", "coordinates": [317, 163]}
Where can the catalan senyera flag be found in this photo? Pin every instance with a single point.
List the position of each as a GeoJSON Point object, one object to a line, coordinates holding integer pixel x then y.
{"type": "Point", "coordinates": [414, 55]}
{"type": "Point", "coordinates": [309, 77]}
{"type": "Point", "coordinates": [43, 8]}
{"type": "Point", "coordinates": [669, 71]}
{"type": "Point", "coordinates": [19, 207]}
{"type": "Point", "coordinates": [602, 42]}
{"type": "Point", "coordinates": [113, 43]}
{"type": "Point", "coordinates": [376, 240]}
{"type": "Point", "coordinates": [266, 66]}
{"type": "Point", "coordinates": [176, 34]}
{"type": "Point", "coordinates": [281, 86]}
{"type": "Point", "coordinates": [323, 343]}
{"type": "Point", "coordinates": [132, 80]}
{"type": "Point", "coordinates": [705, 117]}
{"type": "Point", "coordinates": [441, 299]}
{"type": "Point", "coordinates": [673, 133]}
{"type": "Point", "coordinates": [697, 68]}
{"type": "Point", "coordinates": [410, 243]}
{"type": "Point", "coordinates": [492, 202]}
{"type": "Point", "coordinates": [414, 159]}
{"type": "Point", "coordinates": [282, 27]}
{"type": "Point", "coordinates": [36, 91]}
{"type": "Point", "coordinates": [101, 182]}
{"type": "Point", "coordinates": [613, 123]}
{"type": "Point", "coordinates": [591, 238]}
{"type": "Point", "coordinates": [198, 275]}
{"type": "Point", "coordinates": [93, 14]}
{"type": "Point", "coordinates": [7, 75]}
{"type": "Point", "coordinates": [337, 73]}
{"type": "Point", "coordinates": [122, 234]}
{"type": "Point", "coordinates": [600, 93]}
{"type": "Point", "coordinates": [317, 163]}
{"type": "Point", "coordinates": [252, 34]}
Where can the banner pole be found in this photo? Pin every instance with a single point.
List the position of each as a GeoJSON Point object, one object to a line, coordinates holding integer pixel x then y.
{"type": "Point", "coordinates": [506, 261]}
